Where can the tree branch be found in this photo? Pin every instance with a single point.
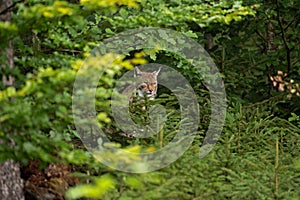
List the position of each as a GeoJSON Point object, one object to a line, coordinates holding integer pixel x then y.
{"type": "Point", "coordinates": [283, 36]}
{"type": "Point", "coordinates": [5, 10]}
{"type": "Point", "coordinates": [260, 35]}
{"type": "Point", "coordinates": [295, 19]}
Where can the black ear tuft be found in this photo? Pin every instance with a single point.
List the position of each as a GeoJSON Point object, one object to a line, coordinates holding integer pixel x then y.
{"type": "Point", "coordinates": [137, 72]}
{"type": "Point", "coordinates": [157, 72]}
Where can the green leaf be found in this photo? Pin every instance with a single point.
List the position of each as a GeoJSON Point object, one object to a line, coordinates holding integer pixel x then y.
{"type": "Point", "coordinates": [101, 186]}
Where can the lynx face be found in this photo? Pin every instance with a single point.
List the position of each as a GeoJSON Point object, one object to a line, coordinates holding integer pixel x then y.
{"type": "Point", "coordinates": [147, 86]}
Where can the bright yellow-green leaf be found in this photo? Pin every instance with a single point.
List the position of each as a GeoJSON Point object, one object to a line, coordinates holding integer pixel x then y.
{"type": "Point", "coordinates": [150, 149]}
{"type": "Point", "coordinates": [102, 185]}
{"type": "Point", "coordinates": [103, 117]}
{"type": "Point", "coordinates": [134, 149]}
{"type": "Point", "coordinates": [133, 182]}
{"type": "Point", "coordinates": [140, 61]}
{"type": "Point", "coordinates": [110, 3]}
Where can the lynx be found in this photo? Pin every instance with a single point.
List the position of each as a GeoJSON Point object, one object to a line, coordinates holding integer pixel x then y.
{"type": "Point", "coordinates": [146, 86]}
{"type": "Point", "coordinates": [144, 89]}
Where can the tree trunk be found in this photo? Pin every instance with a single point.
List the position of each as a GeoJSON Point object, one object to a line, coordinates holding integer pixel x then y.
{"type": "Point", "coordinates": [209, 41]}
{"type": "Point", "coordinates": [270, 30]}
{"type": "Point", "coordinates": [6, 16]}
{"type": "Point", "coordinates": [11, 186]}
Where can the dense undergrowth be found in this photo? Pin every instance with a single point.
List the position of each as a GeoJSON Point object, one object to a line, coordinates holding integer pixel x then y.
{"type": "Point", "coordinates": [255, 157]}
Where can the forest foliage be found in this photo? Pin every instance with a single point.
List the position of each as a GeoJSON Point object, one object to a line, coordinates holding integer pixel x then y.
{"type": "Point", "coordinates": [255, 45]}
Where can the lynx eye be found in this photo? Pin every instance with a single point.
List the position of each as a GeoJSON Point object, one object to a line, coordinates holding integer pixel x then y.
{"type": "Point", "coordinates": [144, 85]}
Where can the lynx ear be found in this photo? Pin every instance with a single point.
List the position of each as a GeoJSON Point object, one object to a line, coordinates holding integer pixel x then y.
{"type": "Point", "coordinates": [137, 72]}
{"type": "Point", "coordinates": [157, 72]}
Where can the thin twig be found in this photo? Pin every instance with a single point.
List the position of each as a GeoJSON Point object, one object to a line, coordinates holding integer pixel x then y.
{"type": "Point", "coordinates": [288, 50]}
{"type": "Point", "coordinates": [295, 19]}
{"type": "Point", "coordinates": [260, 35]}
{"type": "Point", "coordinates": [276, 169]}
{"type": "Point", "coordinates": [255, 64]}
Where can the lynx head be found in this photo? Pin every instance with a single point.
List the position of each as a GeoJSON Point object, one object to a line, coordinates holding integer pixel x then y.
{"type": "Point", "coordinates": [147, 85]}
